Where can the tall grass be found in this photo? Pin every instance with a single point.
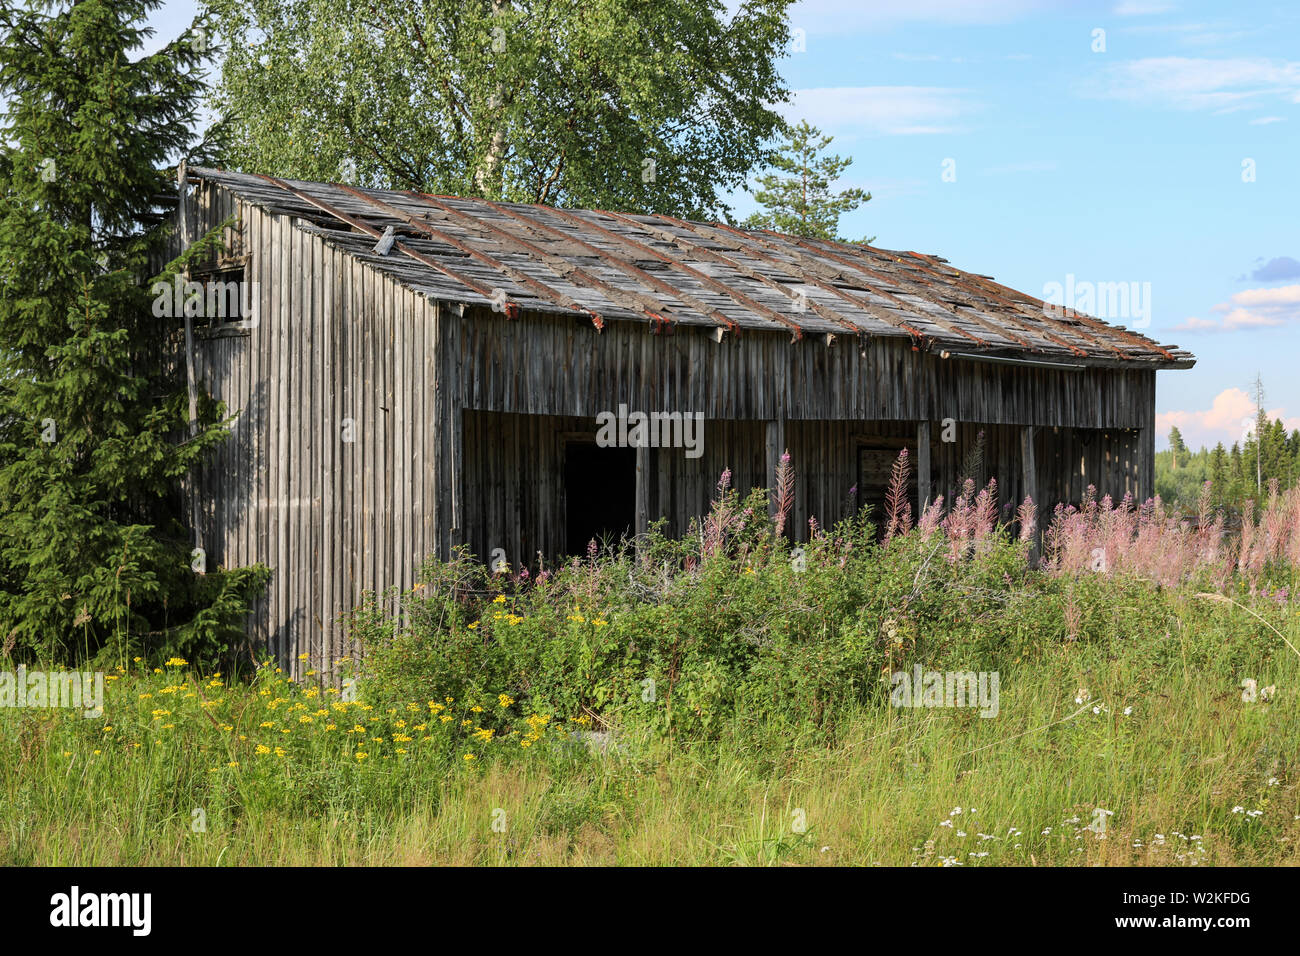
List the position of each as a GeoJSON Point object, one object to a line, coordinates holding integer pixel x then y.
{"type": "Point", "coordinates": [723, 698]}
{"type": "Point", "coordinates": [1162, 740]}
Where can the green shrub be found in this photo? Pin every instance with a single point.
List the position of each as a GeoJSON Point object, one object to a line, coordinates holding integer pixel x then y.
{"type": "Point", "coordinates": [682, 635]}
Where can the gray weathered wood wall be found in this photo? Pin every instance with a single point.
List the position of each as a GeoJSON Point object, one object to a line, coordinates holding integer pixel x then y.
{"type": "Point", "coordinates": [333, 475]}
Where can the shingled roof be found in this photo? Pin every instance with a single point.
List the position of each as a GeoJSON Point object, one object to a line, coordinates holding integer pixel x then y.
{"type": "Point", "coordinates": [614, 266]}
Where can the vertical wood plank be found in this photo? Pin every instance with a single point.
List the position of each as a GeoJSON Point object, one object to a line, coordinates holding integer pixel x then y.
{"type": "Point", "coordinates": [922, 467]}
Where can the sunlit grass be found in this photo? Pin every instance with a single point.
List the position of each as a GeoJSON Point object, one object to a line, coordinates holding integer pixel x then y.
{"type": "Point", "coordinates": [1189, 772]}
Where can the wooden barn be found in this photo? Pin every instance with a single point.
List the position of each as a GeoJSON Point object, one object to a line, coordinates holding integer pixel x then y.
{"type": "Point", "coordinates": [414, 372]}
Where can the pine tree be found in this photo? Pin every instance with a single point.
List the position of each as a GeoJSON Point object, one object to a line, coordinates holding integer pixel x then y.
{"type": "Point", "coordinates": [802, 202]}
{"type": "Point", "coordinates": [94, 430]}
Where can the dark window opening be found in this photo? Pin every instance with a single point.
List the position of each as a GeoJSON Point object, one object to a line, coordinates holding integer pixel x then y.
{"type": "Point", "coordinates": [599, 494]}
{"type": "Point", "coordinates": [224, 298]}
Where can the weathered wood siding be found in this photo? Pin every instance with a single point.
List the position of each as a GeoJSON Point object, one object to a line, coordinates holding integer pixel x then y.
{"type": "Point", "coordinates": [332, 473]}
{"type": "Point", "coordinates": [548, 365]}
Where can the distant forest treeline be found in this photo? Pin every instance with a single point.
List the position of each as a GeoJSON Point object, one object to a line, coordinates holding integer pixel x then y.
{"type": "Point", "coordinates": [1239, 474]}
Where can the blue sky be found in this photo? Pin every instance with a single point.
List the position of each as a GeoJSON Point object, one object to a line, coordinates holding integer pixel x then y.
{"type": "Point", "coordinates": [1161, 153]}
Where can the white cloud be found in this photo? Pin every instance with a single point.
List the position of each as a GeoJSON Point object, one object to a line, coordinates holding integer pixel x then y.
{"type": "Point", "coordinates": [1246, 319]}
{"type": "Point", "coordinates": [1192, 83]}
{"type": "Point", "coordinates": [1227, 420]}
{"type": "Point", "coordinates": [1280, 297]}
{"type": "Point", "coordinates": [880, 110]}
{"type": "Point", "coordinates": [1251, 309]}
{"type": "Point", "coordinates": [1265, 120]}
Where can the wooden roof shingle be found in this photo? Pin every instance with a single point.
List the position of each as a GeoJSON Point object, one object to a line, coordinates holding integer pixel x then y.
{"type": "Point", "coordinates": [657, 268]}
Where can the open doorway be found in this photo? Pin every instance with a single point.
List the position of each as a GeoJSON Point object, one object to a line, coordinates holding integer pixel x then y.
{"type": "Point", "coordinates": [875, 469]}
{"type": "Point", "coordinates": [599, 494]}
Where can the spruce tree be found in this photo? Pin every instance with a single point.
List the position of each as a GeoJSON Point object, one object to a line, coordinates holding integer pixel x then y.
{"type": "Point", "coordinates": [1177, 446]}
{"type": "Point", "coordinates": [1293, 453]}
{"type": "Point", "coordinates": [1219, 472]}
{"type": "Point", "coordinates": [1236, 474]}
{"type": "Point", "coordinates": [94, 430]}
{"type": "Point", "coordinates": [1277, 464]}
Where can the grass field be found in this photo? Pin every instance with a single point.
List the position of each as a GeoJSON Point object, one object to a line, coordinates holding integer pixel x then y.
{"type": "Point", "coordinates": [189, 769]}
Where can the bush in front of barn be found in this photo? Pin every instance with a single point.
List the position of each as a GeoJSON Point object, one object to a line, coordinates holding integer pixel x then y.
{"type": "Point", "coordinates": [733, 622]}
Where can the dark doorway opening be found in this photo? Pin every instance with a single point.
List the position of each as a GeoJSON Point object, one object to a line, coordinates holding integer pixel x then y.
{"type": "Point", "coordinates": [875, 469]}
{"type": "Point", "coordinates": [599, 494]}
